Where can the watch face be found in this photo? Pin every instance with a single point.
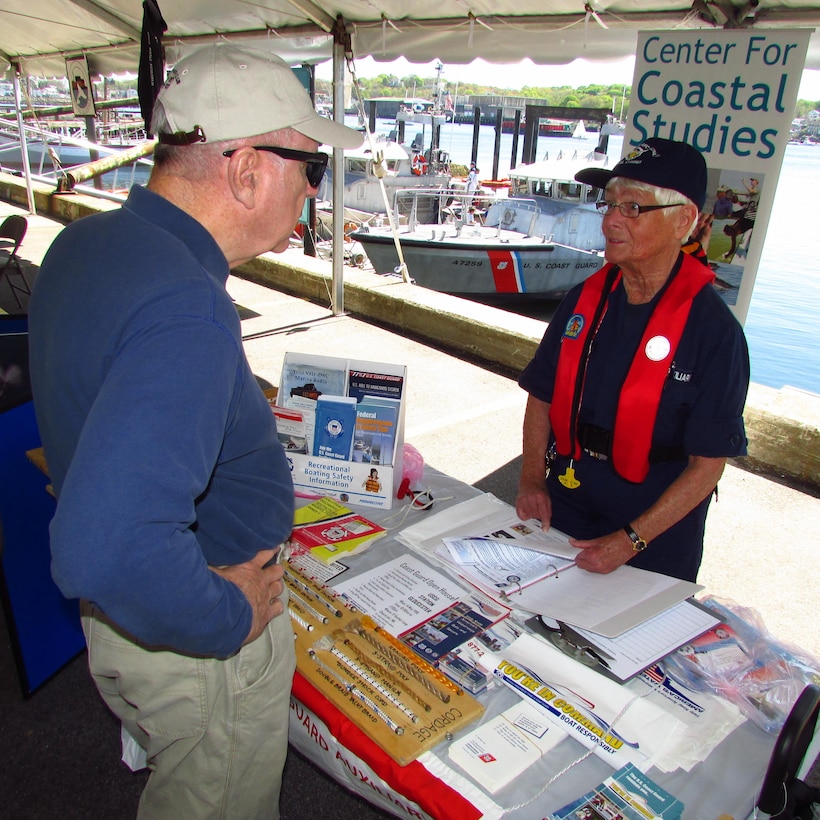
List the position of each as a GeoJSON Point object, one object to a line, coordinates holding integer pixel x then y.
{"type": "Point", "coordinates": [640, 545]}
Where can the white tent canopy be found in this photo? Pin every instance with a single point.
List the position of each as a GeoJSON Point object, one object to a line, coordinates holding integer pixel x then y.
{"type": "Point", "coordinates": [38, 35]}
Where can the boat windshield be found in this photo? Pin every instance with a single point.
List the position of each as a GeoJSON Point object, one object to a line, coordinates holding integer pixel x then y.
{"type": "Point", "coordinates": [566, 190]}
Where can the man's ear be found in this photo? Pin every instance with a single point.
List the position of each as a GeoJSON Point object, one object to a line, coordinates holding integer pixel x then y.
{"type": "Point", "coordinates": [242, 171]}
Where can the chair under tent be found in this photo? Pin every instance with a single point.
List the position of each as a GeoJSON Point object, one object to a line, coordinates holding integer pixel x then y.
{"type": "Point", "coordinates": [13, 230]}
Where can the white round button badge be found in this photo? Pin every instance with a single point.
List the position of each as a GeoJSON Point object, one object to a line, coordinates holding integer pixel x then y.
{"type": "Point", "coordinates": [657, 348]}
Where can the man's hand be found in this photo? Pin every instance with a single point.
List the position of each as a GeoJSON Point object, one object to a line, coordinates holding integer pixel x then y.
{"type": "Point", "coordinates": [603, 554]}
{"type": "Point", "coordinates": [261, 585]}
{"type": "Point", "coordinates": [533, 501]}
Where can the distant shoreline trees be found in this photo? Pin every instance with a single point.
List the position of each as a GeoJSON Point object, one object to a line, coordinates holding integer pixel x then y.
{"type": "Point", "coordinates": [614, 97]}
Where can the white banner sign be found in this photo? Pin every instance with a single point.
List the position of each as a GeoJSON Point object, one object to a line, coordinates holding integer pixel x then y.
{"type": "Point", "coordinates": [82, 91]}
{"type": "Point", "coordinates": [730, 94]}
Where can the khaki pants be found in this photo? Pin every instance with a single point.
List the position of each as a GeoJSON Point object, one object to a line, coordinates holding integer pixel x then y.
{"type": "Point", "coordinates": [215, 731]}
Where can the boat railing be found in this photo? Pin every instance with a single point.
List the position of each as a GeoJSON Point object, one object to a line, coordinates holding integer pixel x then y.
{"type": "Point", "coordinates": [439, 205]}
{"type": "Point", "coordinates": [52, 154]}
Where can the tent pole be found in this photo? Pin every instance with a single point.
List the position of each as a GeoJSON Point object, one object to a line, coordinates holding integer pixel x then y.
{"type": "Point", "coordinates": [18, 106]}
{"type": "Point", "coordinates": [338, 191]}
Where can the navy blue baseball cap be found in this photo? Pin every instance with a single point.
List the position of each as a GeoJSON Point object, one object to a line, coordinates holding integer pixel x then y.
{"type": "Point", "coordinates": [659, 162]}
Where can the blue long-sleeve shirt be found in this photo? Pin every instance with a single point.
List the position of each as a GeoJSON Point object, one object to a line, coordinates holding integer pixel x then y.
{"type": "Point", "coordinates": [160, 444]}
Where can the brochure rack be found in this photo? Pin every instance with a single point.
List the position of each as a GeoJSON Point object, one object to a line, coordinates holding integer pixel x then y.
{"type": "Point", "coordinates": [360, 480]}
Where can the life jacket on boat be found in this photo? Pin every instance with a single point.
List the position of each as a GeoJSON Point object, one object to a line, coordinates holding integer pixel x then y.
{"type": "Point", "coordinates": [640, 394]}
{"type": "Point", "coordinates": [419, 165]}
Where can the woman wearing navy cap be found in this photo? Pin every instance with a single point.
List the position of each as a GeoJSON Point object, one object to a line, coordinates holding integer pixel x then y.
{"type": "Point", "coordinates": [637, 389]}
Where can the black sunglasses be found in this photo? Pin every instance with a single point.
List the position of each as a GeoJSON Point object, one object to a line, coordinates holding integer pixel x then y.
{"type": "Point", "coordinates": [315, 163]}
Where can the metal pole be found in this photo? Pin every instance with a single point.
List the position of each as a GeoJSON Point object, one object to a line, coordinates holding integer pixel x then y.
{"type": "Point", "coordinates": [309, 234]}
{"type": "Point", "coordinates": [516, 129]}
{"type": "Point", "coordinates": [476, 127]}
{"type": "Point", "coordinates": [23, 146]}
{"type": "Point", "coordinates": [499, 124]}
{"type": "Point", "coordinates": [337, 299]}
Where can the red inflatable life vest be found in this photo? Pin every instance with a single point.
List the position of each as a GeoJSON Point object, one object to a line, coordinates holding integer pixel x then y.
{"type": "Point", "coordinates": [640, 393]}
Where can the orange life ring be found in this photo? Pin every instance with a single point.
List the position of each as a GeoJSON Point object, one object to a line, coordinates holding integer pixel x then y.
{"type": "Point", "coordinates": [419, 165]}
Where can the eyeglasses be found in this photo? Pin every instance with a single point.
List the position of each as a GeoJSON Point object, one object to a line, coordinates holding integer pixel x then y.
{"type": "Point", "coordinates": [315, 163]}
{"type": "Point", "coordinates": [631, 210]}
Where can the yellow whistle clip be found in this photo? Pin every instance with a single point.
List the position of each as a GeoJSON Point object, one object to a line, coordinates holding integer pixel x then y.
{"type": "Point", "coordinates": [568, 479]}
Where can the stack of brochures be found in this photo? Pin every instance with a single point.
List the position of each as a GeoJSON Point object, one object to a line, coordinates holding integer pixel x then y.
{"type": "Point", "coordinates": [328, 531]}
{"type": "Point", "coordinates": [341, 422]}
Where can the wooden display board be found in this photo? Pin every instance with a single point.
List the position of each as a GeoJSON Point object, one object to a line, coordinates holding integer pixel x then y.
{"type": "Point", "coordinates": [401, 702]}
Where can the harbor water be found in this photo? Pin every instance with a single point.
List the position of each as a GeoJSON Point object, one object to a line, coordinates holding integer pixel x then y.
{"type": "Point", "coordinates": [783, 323]}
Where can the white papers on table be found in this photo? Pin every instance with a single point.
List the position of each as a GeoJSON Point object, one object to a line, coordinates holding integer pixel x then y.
{"type": "Point", "coordinates": [617, 724]}
{"type": "Point", "coordinates": [606, 604]}
{"type": "Point", "coordinates": [484, 516]}
{"type": "Point", "coordinates": [404, 593]}
{"type": "Point", "coordinates": [502, 748]}
{"type": "Point", "coordinates": [499, 565]}
{"type": "Point", "coordinates": [704, 719]}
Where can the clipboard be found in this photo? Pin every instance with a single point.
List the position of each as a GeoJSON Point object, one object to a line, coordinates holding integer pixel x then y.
{"type": "Point", "coordinates": [628, 654]}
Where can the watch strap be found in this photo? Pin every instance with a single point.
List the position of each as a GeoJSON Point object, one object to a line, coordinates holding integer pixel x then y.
{"type": "Point", "coordinates": [638, 543]}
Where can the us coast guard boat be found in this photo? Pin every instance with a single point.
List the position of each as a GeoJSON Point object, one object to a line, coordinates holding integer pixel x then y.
{"type": "Point", "coordinates": [540, 240]}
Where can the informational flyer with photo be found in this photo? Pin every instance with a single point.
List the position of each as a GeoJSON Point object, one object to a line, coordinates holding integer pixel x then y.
{"type": "Point", "coordinates": [419, 605]}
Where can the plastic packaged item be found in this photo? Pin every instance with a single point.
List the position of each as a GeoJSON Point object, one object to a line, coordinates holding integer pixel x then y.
{"type": "Point", "coordinates": [741, 661]}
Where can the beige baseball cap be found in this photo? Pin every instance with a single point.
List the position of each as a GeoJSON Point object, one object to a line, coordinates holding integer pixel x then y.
{"type": "Point", "coordinates": [224, 92]}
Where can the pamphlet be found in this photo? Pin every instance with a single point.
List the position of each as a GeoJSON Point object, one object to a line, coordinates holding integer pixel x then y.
{"type": "Point", "coordinates": [431, 613]}
{"type": "Point", "coordinates": [335, 425]}
{"type": "Point", "coordinates": [290, 427]}
{"type": "Point", "coordinates": [500, 566]}
{"type": "Point", "coordinates": [376, 424]}
{"type": "Point", "coordinates": [307, 407]}
{"type": "Point", "coordinates": [628, 794]}
{"type": "Point", "coordinates": [311, 377]}
{"type": "Point", "coordinates": [498, 751]}
{"type": "Point", "coordinates": [373, 382]}
{"type": "Point", "coordinates": [328, 530]}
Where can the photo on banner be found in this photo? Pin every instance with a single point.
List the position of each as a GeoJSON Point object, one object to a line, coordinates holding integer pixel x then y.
{"type": "Point", "coordinates": [732, 95]}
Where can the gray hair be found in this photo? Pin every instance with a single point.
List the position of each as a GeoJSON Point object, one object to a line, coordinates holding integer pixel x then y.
{"type": "Point", "coordinates": [663, 196]}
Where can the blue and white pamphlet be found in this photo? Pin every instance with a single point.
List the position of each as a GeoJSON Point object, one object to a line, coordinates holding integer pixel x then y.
{"type": "Point", "coordinates": [628, 794]}
{"type": "Point", "coordinates": [376, 423]}
{"type": "Point", "coordinates": [335, 425]}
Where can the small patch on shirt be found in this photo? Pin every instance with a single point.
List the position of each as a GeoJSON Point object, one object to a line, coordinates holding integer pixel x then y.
{"type": "Point", "coordinates": [574, 326]}
{"type": "Point", "coordinates": [678, 376]}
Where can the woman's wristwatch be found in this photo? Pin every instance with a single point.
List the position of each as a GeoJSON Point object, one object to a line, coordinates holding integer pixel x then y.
{"type": "Point", "coordinates": [638, 543]}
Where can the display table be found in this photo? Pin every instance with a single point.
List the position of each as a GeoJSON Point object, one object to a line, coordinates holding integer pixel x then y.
{"type": "Point", "coordinates": [726, 782]}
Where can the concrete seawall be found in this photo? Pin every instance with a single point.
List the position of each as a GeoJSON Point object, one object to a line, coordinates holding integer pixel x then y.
{"type": "Point", "coordinates": [782, 425]}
